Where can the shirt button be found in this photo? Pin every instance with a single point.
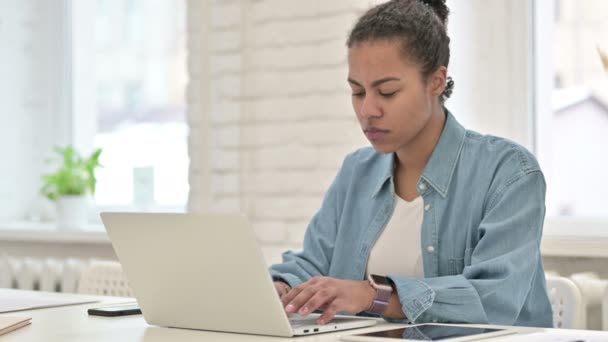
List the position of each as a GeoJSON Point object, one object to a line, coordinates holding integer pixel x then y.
{"type": "Point", "coordinates": [430, 249]}
{"type": "Point", "coordinates": [427, 207]}
{"type": "Point", "coordinates": [422, 187]}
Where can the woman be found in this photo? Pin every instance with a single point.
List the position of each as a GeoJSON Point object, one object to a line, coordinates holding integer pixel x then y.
{"type": "Point", "coordinates": [449, 220]}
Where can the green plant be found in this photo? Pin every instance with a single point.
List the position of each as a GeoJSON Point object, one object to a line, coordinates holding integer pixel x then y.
{"type": "Point", "coordinates": [75, 176]}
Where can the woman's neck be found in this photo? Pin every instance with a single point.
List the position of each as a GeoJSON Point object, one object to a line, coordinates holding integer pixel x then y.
{"type": "Point", "coordinates": [416, 155]}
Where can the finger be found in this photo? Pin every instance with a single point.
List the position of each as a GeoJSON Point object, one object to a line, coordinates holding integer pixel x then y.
{"type": "Point", "coordinates": [294, 292]}
{"type": "Point", "coordinates": [296, 303]}
{"type": "Point", "coordinates": [320, 298]}
{"type": "Point", "coordinates": [283, 288]}
{"type": "Point", "coordinates": [324, 306]}
{"type": "Point", "coordinates": [285, 292]}
{"type": "Point", "coordinates": [329, 313]}
{"type": "Point", "coordinates": [291, 294]}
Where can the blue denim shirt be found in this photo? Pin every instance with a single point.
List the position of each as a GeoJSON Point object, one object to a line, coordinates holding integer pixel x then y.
{"type": "Point", "coordinates": [484, 205]}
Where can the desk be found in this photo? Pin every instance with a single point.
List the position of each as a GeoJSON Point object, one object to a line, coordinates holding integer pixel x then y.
{"type": "Point", "coordinates": [71, 323]}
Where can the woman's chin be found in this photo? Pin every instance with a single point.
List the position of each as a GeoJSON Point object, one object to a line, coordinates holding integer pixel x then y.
{"type": "Point", "coordinates": [383, 148]}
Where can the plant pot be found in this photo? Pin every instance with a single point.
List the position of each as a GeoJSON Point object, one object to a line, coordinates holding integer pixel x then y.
{"type": "Point", "coordinates": [72, 212]}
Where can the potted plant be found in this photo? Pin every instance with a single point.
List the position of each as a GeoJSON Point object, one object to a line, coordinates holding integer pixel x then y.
{"type": "Point", "coordinates": [71, 185]}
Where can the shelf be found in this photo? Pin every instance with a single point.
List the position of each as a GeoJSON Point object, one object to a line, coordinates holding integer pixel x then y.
{"type": "Point", "coordinates": [43, 232]}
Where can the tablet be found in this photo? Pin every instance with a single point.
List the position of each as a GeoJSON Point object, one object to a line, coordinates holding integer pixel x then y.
{"type": "Point", "coordinates": [431, 332]}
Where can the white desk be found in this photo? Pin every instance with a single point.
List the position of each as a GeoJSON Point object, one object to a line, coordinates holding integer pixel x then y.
{"type": "Point", "coordinates": [72, 323]}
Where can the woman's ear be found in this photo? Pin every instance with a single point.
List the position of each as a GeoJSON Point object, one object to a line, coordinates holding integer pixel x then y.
{"type": "Point", "coordinates": [437, 81]}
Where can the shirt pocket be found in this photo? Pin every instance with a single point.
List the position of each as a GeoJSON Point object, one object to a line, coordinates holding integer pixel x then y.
{"type": "Point", "coordinates": [456, 265]}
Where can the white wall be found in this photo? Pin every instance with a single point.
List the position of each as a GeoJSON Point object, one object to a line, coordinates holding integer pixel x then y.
{"type": "Point", "coordinates": [279, 117]}
{"type": "Point", "coordinates": [491, 66]}
{"type": "Point", "coordinates": [271, 107]}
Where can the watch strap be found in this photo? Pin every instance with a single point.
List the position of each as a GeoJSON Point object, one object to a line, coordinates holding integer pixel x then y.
{"type": "Point", "coordinates": [380, 303]}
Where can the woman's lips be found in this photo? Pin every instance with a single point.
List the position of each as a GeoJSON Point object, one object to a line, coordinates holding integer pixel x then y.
{"type": "Point", "coordinates": [375, 134]}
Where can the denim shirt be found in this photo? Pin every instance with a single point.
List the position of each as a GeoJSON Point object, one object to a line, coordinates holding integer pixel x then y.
{"type": "Point", "coordinates": [484, 205]}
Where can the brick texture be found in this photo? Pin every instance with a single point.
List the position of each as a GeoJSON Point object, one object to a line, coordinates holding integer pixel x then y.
{"type": "Point", "coordinates": [279, 118]}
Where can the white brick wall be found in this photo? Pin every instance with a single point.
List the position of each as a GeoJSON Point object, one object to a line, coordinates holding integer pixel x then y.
{"type": "Point", "coordinates": [278, 118]}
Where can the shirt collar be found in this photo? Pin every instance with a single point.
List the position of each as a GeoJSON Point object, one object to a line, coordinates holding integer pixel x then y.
{"type": "Point", "coordinates": [387, 167]}
{"type": "Point", "coordinates": [440, 167]}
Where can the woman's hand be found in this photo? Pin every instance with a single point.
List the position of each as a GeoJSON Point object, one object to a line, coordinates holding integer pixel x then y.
{"type": "Point", "coordinates": [330, 295]}
{"type": "Point", "coordinates": [282, 288]}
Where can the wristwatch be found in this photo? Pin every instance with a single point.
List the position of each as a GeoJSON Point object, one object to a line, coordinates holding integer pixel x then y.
{"type": "Point", "coordinates": [384, 289]}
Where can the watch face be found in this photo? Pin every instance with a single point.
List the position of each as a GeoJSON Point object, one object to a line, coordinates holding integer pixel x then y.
{"type": "Point", "coordinates": [379, 280]}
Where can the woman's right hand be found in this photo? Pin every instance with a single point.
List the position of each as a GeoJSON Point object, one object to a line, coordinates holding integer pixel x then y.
{"type": "Point", "coordinates": [282, 288]}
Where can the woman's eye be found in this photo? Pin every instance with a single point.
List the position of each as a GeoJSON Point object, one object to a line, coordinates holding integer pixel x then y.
{"type": "Point", "coordinates": [359, 94]}
{"type": "Point", "coordinates": [388, 94]}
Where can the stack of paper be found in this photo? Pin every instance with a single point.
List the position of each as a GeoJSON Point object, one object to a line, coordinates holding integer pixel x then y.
{"type": "Point", "coordinates": [18, 300]}
{"type": "Point", "coordinates": [10, 323]}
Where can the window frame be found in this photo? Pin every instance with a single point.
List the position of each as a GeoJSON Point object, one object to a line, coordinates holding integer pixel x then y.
{"type": "Point", "coordinates": [563, 236]}
{"type": "Point", "coordinates": [80, 116]}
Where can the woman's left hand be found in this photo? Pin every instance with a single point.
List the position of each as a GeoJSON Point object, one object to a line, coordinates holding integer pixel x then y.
{"type": "Point", "coordinates": [330, 295]}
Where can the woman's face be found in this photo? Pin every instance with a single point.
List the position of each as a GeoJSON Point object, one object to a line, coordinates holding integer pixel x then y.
{"type": "Point", "coordinates": [392, 102]}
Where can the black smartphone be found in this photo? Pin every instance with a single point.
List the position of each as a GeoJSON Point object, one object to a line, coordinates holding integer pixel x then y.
{"type": "Point", "coordinates": [116, 310]}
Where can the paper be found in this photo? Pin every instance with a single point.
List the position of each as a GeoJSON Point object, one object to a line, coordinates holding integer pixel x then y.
{"type": "Point", "coordinates": [18, 300]}
{"type": "Point", "coordinates": [9, 323]}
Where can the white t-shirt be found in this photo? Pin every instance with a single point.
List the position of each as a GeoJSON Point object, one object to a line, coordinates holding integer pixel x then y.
{"type": "Point", "coordinates": [398, 251]}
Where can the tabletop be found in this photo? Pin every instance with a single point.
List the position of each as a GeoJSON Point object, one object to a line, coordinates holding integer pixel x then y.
{"type": "Point", "coordinates": [72, 323]}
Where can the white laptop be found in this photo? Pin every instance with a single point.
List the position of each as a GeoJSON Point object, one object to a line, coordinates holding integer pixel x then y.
{"type": "Point", "coordinates": [205, 272]}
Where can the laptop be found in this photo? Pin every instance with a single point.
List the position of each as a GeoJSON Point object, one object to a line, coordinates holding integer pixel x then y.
{"type": "Point", "coordinates": [205, 272]}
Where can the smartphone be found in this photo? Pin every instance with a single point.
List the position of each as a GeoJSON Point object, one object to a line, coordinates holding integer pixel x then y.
{"type": "Point", "coordinates": [116, 310]}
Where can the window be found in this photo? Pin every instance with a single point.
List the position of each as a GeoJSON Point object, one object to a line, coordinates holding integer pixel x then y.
{"type": "Point", "coordinates": [572, 106]}
{"type": "Point", "coordinates": [128, 88]}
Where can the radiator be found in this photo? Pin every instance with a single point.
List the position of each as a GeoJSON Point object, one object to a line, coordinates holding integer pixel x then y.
{"type": "Point", "coordinates": [49, 274]}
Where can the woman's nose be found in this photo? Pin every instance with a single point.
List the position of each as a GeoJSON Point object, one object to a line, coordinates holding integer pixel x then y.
{"type": "Point", "coordinates": [370, 108]}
